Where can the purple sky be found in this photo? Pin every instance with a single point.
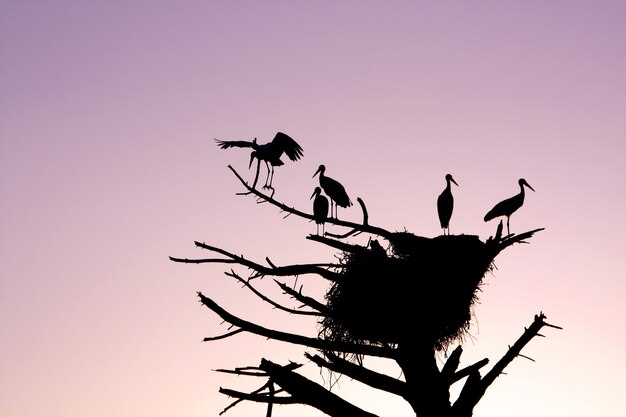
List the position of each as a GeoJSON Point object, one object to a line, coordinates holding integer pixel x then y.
{"type": "Point", "coordinates": [108, 112]}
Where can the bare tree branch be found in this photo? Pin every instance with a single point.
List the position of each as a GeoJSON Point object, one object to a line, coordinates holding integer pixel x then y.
{"type": "Point", "coordinates": [515, 350]}
{"type": "Point", "coordinates": [337, 244]}
{"type": "Point", "coordinates": [293, 338]}
{"type": "Point", "coordinates": [308, 301]}
{"type": "Point", "coordinates": [246, 371]}
{"type": "Point", "coordinates": [224, 336]}
{"type": "Point", "coordinates": [308, 392]}
{"type": "Point", "coordinates": [247, 284]}
{"type": "Point", "coordinates": [203, 261]}
{"type": "Point", "coordinates": [452, 363]}
{"type": "Point", "coordinates": [256, 397]}
{"type": "Point", "coordinates": [359, 227]}
{"type": "Point", "coordinates": [468, 371]}
{"type": "Point", "coordinates": [475, 388]}
{"type": "Point", "coordinates": [353, 231]}
{"type": "Point", "coordinates": [289, 270]}
{"type": "Point", "coordinates": [500, 244]}
{"type": "Point", "coordinates": [360, 373]}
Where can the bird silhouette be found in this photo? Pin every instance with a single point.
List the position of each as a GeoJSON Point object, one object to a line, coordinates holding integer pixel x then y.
{"type": "Point", "coordinates": [507, 207]}
{"type": "Point", "coordinates": [445, 204]}
{"type": "Point", "coordinates": [320, 209]}
{"type": "Point", "coordinates": [376, 248]}
{"type": "Point", "coordinates": [269, 152]}
{"type": "Point", "coordinates": [334, 190]}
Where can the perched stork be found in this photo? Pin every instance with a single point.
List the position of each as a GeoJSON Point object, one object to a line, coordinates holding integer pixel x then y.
{"type": "Point", "coordinates": [270, 153]}
{"type": "Point", "coordinates": [320, 209]}
{"type": "Point", "coordinates": [509, 206]}
{"type": "Point", "coordinates": [445, 204]}
{"type": "Point", "coordinates": [334, 190]}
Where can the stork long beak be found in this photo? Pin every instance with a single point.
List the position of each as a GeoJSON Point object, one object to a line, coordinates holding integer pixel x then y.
{"type": "Point", "coordinates": [251, 159]}
{"type": "Point", "coordinates": [316, 172]}
{"type": "Point", "coordinates": [528, 185]}
{"type": "Point", "coordinates": [452, 179]}
{"type": "Point", "coordinates": [313, 195]}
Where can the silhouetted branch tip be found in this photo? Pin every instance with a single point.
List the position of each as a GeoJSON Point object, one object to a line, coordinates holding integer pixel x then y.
{"type": "Point", "coordinates": [224, 336]}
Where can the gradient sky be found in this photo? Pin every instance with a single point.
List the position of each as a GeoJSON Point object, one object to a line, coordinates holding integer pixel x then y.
{"type": "Point", "coordinates": [108, 112]}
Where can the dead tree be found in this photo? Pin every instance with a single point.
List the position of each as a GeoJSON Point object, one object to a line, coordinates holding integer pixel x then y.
{"type": "Point", "coordinates": [365, 314]}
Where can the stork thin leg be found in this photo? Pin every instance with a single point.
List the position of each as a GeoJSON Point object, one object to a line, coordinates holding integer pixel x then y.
{"type": "Point", "coordinates": [267, 178]}
{"type": "Point", "coordinates": [271, 177]}
{"type": "Point", "coordinates": [256, 176]}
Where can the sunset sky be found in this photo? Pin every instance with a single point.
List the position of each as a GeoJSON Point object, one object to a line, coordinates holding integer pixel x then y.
{"type": "Point", "coordinates": [108, 166]}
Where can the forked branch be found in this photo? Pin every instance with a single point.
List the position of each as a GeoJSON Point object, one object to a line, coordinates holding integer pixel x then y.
{"type": "Point", "coordinates": [475, 386]}
{"type": "Point", "coordinates": [283, 271]}
{"type": "Point", "coordinates": [322, 309]}
{"type": "Point", "coordinates": [305, 391]}
{"type": "Point", "coordinates": [247, 284]}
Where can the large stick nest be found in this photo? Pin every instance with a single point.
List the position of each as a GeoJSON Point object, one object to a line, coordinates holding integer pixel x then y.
{"type": "Point", "coordinates": [424, 289]}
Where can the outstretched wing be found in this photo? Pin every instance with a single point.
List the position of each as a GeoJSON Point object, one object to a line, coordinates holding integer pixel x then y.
{"type": "Point", "coordinates": [288, 145]}
{"type": "Point", "coordinates": [225, 144]}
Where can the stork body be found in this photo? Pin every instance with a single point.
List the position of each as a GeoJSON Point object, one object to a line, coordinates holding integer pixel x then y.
{"type": "Point", "coordinates": [334, 190]}
{"type": "Point", "coordinates": [270, 153]}
{"type": "Point", "coordinates": [506, 208]}
{"type": "Point", "coordinates": [320, 209]}
{"type": "Point", "coordinates": [445, 204]}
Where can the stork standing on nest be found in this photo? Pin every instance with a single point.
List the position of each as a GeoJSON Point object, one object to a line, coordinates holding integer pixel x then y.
{"type": "Point", "coordinates": [334, 190]}
{"type": "Point", "coordinates": [506, 208]}
{"type": "Point", "coordinates": [445, 204]}
{"type": "Point", "coordinates": [270, 153]}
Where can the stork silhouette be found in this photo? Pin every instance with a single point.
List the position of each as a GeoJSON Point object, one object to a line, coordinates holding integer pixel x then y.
{"type": "Point", "coordinates": [506, 208]}
{"type": "Point", "coordinates": [445, 204]}
{"type": "Point", "coordinates": [269, 152]}
{"type": "Point", "coordinates": [334, 190]}
{"type": "Point", "coordinates": [320, 209]}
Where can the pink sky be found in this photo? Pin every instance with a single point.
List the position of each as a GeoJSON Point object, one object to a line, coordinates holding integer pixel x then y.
{"type": "Point", "coordinates": [108, 112]}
